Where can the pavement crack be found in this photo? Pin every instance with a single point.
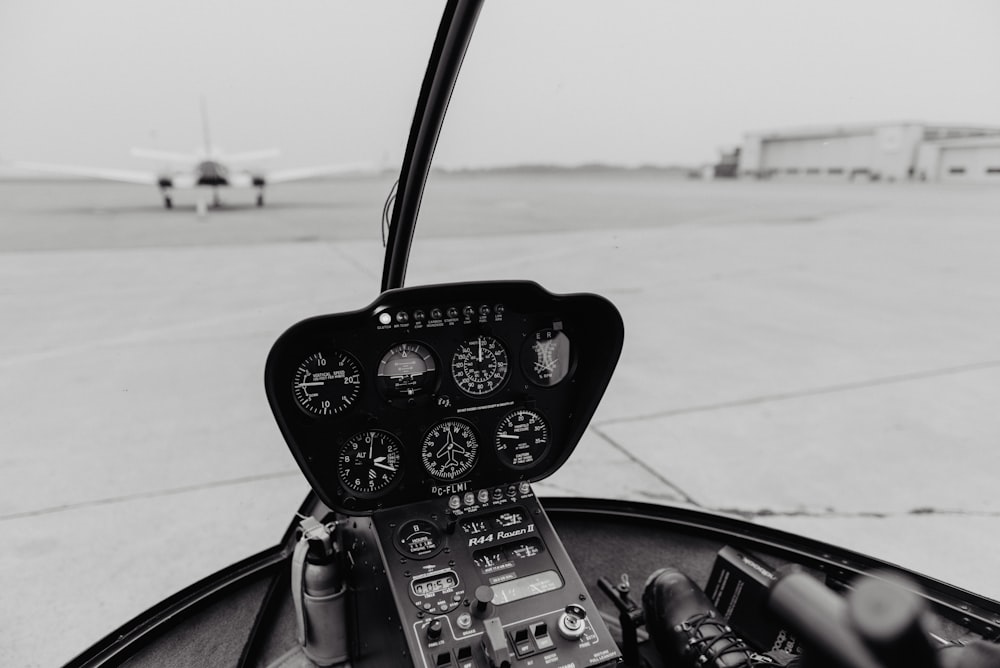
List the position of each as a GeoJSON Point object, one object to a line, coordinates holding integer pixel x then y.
{"type": "Point", "coordinates": [149, 495]}
{"type": "Point", "coordinates": [804, 392]}
{"type": "Point", "coordinates": [643, 465]}
{"type": "Point", "coordinates": [831, 513]}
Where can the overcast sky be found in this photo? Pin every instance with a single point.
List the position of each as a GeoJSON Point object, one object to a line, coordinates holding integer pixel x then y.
{"type": "Point", "coordinates": [81, 82]}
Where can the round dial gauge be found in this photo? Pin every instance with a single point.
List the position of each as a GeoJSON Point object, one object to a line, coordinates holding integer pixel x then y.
{"type": "Point", "coordinates": [480, 366]}
{"type": "Point", "coordinates": [449, 449]}
{"type": "Point", "coordinates": [326, 384]}
{"type": "Point", "coordinates": [369, 462]}
{"type": "Point", "coordinates": [522, 438]}
{"type": "Point", "coordinates": [419, 539]}
{"type": "Point", "coordinates": [545, 357]}
{"type": "Point", "coordinates": [406, 370]}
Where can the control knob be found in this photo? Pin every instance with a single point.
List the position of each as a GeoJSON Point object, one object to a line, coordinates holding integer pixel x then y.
{"type": "Point", "coordinates": [434, 630]}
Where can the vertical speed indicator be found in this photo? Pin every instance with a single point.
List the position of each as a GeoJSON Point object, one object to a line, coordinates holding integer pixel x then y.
{"type": "Point", "coordinates": [327, 384]}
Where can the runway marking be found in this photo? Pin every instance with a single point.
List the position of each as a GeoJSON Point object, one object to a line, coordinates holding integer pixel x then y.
{"type": "Point", "coordinates": [807, 392]}
{"type": "Point", "coordinates": [150, 495]}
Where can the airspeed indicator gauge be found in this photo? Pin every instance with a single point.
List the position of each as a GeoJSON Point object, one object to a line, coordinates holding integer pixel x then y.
{"type": "Point", "coordinates": [449, 449]}
{"type": "Point", "coordinates": [327, 384]}
{"type": "Point", "coordinates": [479, 366]}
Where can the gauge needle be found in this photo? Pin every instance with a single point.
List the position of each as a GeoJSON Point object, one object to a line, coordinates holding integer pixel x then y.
{"type": "Point", "coordinates": [316, 382]}
{"type": "Point", "coordinates": [514, 436]}
{"type": "Point", "coordinates": [480, 350]}
{"type": "Point", "coordinates": [378, 462]}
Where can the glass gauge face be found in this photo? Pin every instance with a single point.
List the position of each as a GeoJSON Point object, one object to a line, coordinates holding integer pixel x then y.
{"type": "Point", "coordinates": [406, 370]}
{"type": "Point", "coordinates": [522, 438]}
{"type": "Point", "coordinates": [545, 357]}
{"type": "Point", "coordinates": [449, 449]}
{"type": "Point", "coordinates": [480, 366]}
{"type": "Point", "coordinates": [327, 384]}
{"type": "Point", "coordinates": [369, 463]}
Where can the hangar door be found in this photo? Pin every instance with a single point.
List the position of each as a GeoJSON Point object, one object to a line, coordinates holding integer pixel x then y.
{"type": "Point", "coordinates": [970, 163]}
{"type": "Point", "coordinates": [835, 155]}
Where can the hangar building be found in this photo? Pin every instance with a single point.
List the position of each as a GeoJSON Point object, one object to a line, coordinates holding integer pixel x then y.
{"type": "Point", "coordinates": [890, 151]}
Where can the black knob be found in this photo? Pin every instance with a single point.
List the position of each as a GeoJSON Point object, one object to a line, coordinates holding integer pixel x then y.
{"type": "Point", "coordinates": [434, 630]}
{"type": "Point", "coordinates": [484, 599]}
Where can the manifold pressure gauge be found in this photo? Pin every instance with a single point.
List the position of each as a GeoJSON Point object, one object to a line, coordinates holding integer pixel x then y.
{"type": "Point", "coordinates": [479, 366]}
{"type": "Point", "coordinates": [327, 384]}
{"type": "Point", "coordinates": [522, 438]}
{"type": "Point", "coordinates": [449, 449]}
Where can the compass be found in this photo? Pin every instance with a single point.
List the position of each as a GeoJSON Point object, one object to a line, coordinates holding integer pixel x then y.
{"type": "Point", "coordinates": [449, 449]}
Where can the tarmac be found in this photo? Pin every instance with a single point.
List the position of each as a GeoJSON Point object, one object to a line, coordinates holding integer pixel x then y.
{"type": "Point", "coordinates": [821, 358]}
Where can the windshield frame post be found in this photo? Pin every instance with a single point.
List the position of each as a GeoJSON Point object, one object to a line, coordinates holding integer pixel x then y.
{"type": "Point", "coordinates": [450, 44]}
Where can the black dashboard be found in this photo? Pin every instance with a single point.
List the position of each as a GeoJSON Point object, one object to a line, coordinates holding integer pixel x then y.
{"type": "Point", "coordinates": [441, 391]}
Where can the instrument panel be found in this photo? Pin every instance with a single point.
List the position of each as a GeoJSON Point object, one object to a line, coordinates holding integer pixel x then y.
{"type": "Point", "coordinates": [441, 391]}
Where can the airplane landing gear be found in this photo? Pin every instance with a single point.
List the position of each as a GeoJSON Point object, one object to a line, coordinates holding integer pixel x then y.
{"type": "Point", "coordinates": [260, 198]}
{"type": "Point", "coordinates": [167, 202]}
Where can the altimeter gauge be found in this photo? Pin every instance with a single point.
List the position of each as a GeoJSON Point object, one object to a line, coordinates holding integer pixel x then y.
{"type": "Point", "coordinates": [479, 366]}
{"type": "Point", "coordinates": [449, 449]}
{"type": "Point", "coordinates": [522, 438]}
{"type": "Point", "coordinates": [327, 384]}
{"type": "Point", "coordinates": [406, 370]}
{"type": "Point", "coordinates": [369, 462]}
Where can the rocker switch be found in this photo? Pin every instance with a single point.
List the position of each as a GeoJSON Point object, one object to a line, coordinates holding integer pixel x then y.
{"type": "Point", "coordinates": [540, 631]}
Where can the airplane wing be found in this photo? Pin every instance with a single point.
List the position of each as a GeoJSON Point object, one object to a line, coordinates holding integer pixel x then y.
{"type": "Point", "coordinates": [122, 175]}
{"type": "Point", "coordinates": [286, 175]}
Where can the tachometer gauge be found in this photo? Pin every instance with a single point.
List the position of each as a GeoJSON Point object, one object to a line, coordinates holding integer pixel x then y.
{"type": "Point", "coordinates": [522, 438]}
{"type": "Point", "coordinates": [449, 449]}
{"type": "Point", "coordinates": [327, 384]}
{"type": "Point", "coordinates": [369, 462]}
{"type": "Point", "coordinates": [480, 366]}
{"type": "Point", "coordinates": [407, 369]}
{"type": "Point", "coordinates": [545, 357]}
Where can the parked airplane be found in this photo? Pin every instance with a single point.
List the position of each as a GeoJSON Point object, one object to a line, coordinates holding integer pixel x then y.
{"type": "Point", "coordinates": [206, 167]}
